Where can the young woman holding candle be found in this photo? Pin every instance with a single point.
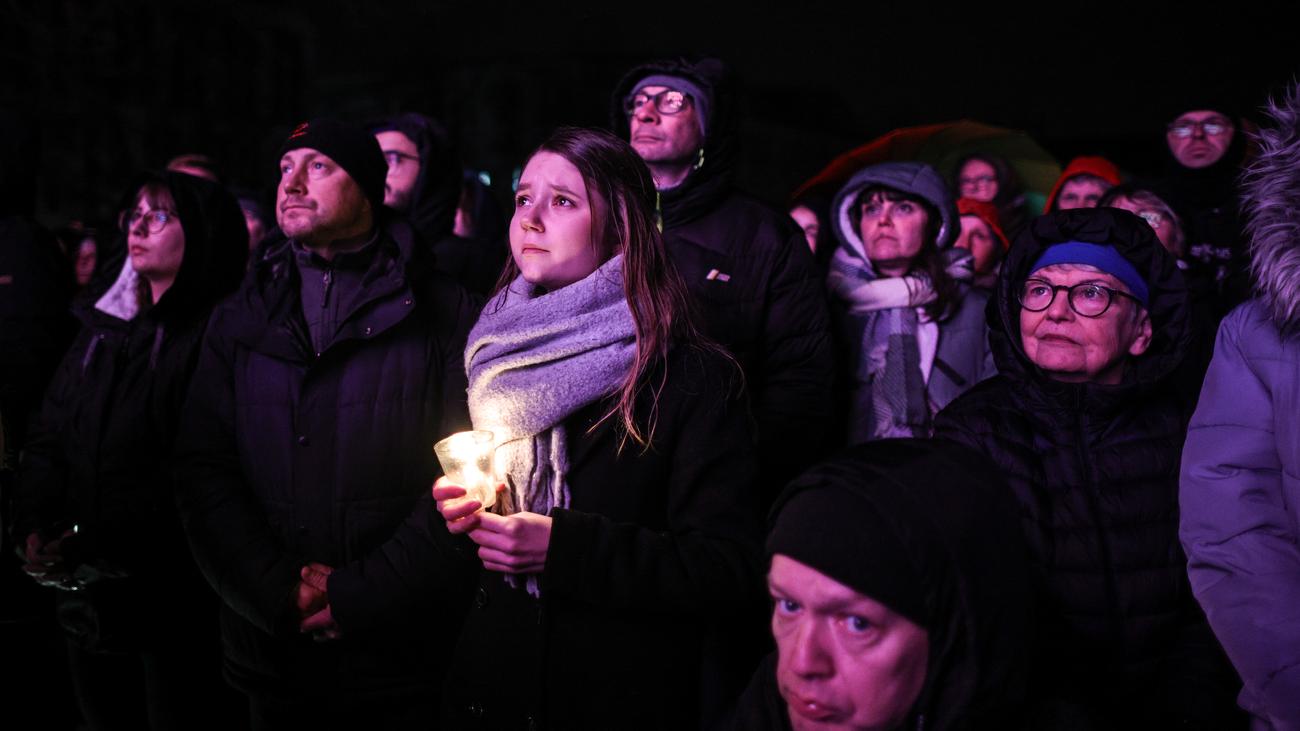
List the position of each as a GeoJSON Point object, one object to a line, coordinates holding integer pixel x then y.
{"type": "Point", "coordinates": [627, 548]}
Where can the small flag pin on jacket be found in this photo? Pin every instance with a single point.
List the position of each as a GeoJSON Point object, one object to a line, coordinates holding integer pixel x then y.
{"type": "Point", "coordinates": [720, 276]}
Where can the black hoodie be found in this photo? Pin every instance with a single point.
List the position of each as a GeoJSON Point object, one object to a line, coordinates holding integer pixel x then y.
{"type": "Point", "coordinates": [475, 263]}
{"type": "Point", "coordinates": [954, 519]}
{"type": "Point", "coordinates": [99, 449]}
{"type": "Point", "coordinates": [754, 280]}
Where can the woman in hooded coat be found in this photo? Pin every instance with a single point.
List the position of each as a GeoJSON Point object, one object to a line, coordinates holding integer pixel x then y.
{"type": "Point", "coordinates": [926, 532]}
{"type": "Point", "coordinates": [1240, 488]}
{"type": "Point", "coordinates": [94, 496]}
{"type": "Point", "coordinates": [1086, 420]}
{"type": "Point", "coordinates": [910, 329]}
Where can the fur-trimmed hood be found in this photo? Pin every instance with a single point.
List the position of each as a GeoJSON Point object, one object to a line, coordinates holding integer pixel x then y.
{"type": "Point", "coordinates": [1271, 201]}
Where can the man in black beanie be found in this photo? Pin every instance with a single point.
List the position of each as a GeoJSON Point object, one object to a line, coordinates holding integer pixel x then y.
{"type": "Point", "coordinates": [305, 454]}
{"type": "Point", "coordinates": [900, 595]}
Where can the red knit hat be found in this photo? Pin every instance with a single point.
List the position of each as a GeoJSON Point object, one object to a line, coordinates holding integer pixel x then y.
{"type": "Point", "coordinates": [986, 212]}
{"type": "Point", "coordinates": [1085, 165]}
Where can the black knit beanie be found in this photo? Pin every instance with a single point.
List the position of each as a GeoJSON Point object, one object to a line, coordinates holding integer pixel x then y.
{"type": "Point", "coordinates": [354, 149]}
{"type": "Point", "coordinates": [835, 527]}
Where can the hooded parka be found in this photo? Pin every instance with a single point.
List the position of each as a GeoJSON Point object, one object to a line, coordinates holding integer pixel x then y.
{"type": "Point", "coordinates": [754, 280]}
{"type": "Point", "coordinates": [1094, 467]}
{"type": "Point", "coordinates": [1240, 487]}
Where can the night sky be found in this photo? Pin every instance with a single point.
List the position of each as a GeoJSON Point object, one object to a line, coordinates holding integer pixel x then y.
{"type": "Point", "coordinates": [117, 87]}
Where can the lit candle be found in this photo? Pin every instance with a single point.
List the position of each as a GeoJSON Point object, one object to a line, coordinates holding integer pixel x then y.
{"type": "Point", "coordinates": [466, 459]}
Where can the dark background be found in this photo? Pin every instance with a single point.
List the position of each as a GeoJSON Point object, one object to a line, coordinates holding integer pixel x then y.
{"type": "Point", "coordinates": [116, 87]}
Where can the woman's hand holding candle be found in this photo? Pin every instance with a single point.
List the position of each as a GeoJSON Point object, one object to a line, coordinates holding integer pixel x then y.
{"type": "Point", "coordinates": [460, 512]}
{"type": "Point", "coordinates": [513, 544]}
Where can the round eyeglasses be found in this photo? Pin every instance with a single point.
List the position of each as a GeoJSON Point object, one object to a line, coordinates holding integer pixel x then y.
{"type": "Point", "coordinates": [155, 220]}
{"type": "Point", "coordinates": [668, 101]}
{"type": "Point", "coordinates": [1088, 299]}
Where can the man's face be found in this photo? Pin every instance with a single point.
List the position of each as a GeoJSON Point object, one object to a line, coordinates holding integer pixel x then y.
{"type": "Point", "coordinates": [844, 661]}
{"type": "Point", "coordinates": [317, 202]}
{"type": "Point", "coordinates": [1199, 138]}
{"type": "Point", "coordinates": [403, 159]}
{"type": "Point", "coordinates": [893, 233]}
{"type": "Point", "coordinates": [1080, 193]}
{"type": "Point", "coordinates": [978, 180]}
{"type": "Point", "coordinates": [1077, 349]}
{"type": "Point", "coordinates": [977, 238]}
{"type": "Point", "coordinates": [664, 138]}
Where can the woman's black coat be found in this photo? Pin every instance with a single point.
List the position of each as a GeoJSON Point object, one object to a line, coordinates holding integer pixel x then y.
{"type": "Point", "coordinates": [657, 557]}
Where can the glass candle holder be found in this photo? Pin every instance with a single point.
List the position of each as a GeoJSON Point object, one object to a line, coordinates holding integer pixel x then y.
{"type": "Point", "coordinates": [466, 459]}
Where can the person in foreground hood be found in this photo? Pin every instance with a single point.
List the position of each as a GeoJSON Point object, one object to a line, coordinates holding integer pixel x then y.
{"type": "Point", "coordinates": [911, 329]}
{"type": "Point", "coordinates": [1089, 326]}
{"type": "Point", "coordinates": [1240, 483]}
{"type": "Point", "coordinates": [95, 497]}
{"type": "Point", "coordinates": [900, 596]}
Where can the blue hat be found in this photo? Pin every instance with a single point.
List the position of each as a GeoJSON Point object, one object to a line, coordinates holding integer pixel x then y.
{"type": "Point", "coordinates": [1102, 256]}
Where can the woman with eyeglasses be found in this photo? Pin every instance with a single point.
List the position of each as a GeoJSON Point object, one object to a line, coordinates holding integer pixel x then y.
{"type": "Point", "coordinates": [910, 327]}
{"type": "Point", "coordinates": [623, 554]}
{"type": "Point", "coordinates": [1090, 327]}
{"type": "Point", "coordinates": [95, 517]}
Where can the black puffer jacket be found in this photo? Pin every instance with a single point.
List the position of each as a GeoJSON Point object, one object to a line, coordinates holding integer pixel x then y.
{"type": "Point", "coordinates": [1095, 469]}
{"type": "Point", "coordinates": [288, 457]}
{"type": "Point", "coordinates": [100, 450]}
{"type": "Point", "coordinates": [753, 278]}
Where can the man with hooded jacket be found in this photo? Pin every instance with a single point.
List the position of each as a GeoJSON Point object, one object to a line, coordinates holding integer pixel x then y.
{"type": "Point", "coordinates": [1089, 324]}
{"type": "Point", "coordinates": [424, 184]}
{"type": "Point", "coordinates": [747, 265]}
{"type": "Point", "coordinates": [1240, 489]}
{"type": "Point", "coordinates": [306, 454]}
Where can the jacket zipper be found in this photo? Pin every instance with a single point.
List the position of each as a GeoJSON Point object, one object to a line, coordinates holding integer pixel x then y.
{"type": "Point", "coordinates": [1094, 506]}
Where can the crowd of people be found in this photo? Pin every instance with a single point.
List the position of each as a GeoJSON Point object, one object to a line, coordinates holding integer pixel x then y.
{"type": "Point", "coordinates": [929, 451]}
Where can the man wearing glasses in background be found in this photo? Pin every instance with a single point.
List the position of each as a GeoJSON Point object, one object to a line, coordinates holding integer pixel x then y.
{"type": "Point", "coordinates": [752, 276]}
{"type": "Point", "coordinates": [424, 184]}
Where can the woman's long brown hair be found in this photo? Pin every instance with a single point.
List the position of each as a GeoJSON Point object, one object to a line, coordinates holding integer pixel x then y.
{"type": "Point", "coordinates": [656, 294]}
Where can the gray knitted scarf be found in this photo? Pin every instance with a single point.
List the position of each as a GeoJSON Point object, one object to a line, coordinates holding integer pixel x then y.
{"type": "Point", "coordinates": [889, 394]}
{"type": "Point", "coordinates": [535, 358]}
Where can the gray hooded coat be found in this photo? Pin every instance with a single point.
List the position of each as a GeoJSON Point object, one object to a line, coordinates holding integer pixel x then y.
{"type": "Point", "coordinates": [1240, 482]}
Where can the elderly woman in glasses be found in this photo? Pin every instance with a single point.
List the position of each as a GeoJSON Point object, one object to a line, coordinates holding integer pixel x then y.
{"type": "Point", "coordinates": [1089, 326]}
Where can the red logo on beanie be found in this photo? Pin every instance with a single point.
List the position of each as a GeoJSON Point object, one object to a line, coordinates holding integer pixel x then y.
{"type": "Point", "coordinates": [298, 131]}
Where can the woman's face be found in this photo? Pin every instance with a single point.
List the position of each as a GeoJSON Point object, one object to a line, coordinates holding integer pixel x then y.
{"type": "Point", "coordinates": [155, 240]}
{"type": "Point", "coordinates": [893, 233]}
{"type": "Point", "coordinates": [1165, 227]}
{"type": "Point", "coordinates": [551, 233]}
{"type": "Point", "coordinates": [807, 220]}
{"type": "Point", "coordinates": [977, 179]}
{"type": "Point", "coordinates": [977, 238]}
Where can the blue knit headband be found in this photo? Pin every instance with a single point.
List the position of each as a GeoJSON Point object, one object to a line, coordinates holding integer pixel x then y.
{"type": "Point", "coordinates": [1104, 257]}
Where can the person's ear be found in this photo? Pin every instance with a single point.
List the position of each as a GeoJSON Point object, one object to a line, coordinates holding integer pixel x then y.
{"type": "Point", "coordinates": [1142, 338]}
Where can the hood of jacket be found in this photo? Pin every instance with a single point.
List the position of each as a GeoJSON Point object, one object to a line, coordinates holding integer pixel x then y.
{"type": "Point", "coordinates": [912, 178]}
{"type": "Point", "coordinates": [1271, 202]}
{"type": "Point", "coordinates": [1172, 329]}
{"type": "Point", "coordinates": [707, 185]}
{"type": "Point", "coordinates": [959, 541]}
{"type": "Point", "coordinates": [438, 185]}
{"type": "Point", "coordinates": [1085, 165]}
